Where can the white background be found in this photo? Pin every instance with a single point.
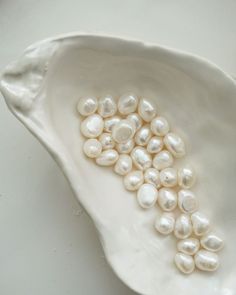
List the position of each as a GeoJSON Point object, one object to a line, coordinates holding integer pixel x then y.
{"type": "Point", "coordinates": [48, 246]}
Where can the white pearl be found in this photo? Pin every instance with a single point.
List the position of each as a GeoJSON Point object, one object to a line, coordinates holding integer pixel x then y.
{"type": "Point", "coordinates": [136, 119]}
{"type": "Point", "coordinates": [109, 123]}
{"type": "Point", "coordinates": [92, 148]}
{"type": "Point", "coordinates": [146, 110]}
{"type": "Point", "coordinates": [187, 201]}
{"type": "Point", "coordinates": [133, 180]}
{"type": "Point", "coordinates": [125, 148]}
{"type": "Point", "coordinates": [155, 145]}
{"type": "Point", "coordinates": [189, 246]}
{"type": "Point", "coordinates": [141, 158]}
{"type": "Point", "coordinates": [163, 160]}
{"type": "Point", "coordinates": [184, 263]}
{"type": "Point", "coordinates": [206, 261]}
{"type": "Point", "coordinates": [143, 135]}
{"type": "Point", "coordinates": [183, 227]}
{"type": "Point", "coordinates": [201, 224]}
{"type": "Point", "coordinates": [123, 165]}
{"type": "Point", "coordinates": [127, 104]}
{"type": "Point", "coordinates": [175, 144]}
{"type": "Point", "coordinates": [167, 199]}
{"type": "Point", "coordinates": [147, 195]}
{"type": "Point", "coordinates": [123, 131]}
{"type": "Point", "coordinates": [107, 106]}
{"type": "Point", "coordinates": [87, 105]}
{"type": "Point", "coordinates": [151, 176]}
{"type": "Point", "coordinates": [107, 158]}
{"type": "Point", "coordinates": [165, 223]}
{"type": "Point", "coordinates": [106, 141]}
{"type": "Point", "coordinates": [160, 126]}
{"type": "Point", "coordinates": [212, 242]}
{"type": "Point", "coordinates": [92, 126]}
{"type": "Point", "coordinates": [186, 177]}
{"type": "Point", "coordinates": [168, 177]}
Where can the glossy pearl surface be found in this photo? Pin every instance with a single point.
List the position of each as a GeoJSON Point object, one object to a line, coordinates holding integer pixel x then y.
{"type": "Point", "coordinates": [162, 160]}
{"type": "Point", "coordinates": [147, 195]}
{"type": "Point", "coordinates": [107, 106]}
{"type": "Point", "coordinates": [185, 263]}
{"type": "Point", "coordinates": [212, 242]}
{"type": "Point", "coordinates": [183, 227]}
{"type": "Point", "coordinates": [87, 105]}
{"type": "Point", "coordinates": [107, 158]}
{"type": "Point", "coordinates": [109, 123]}
{"type": "Point", "coordinates": [175, 144]}
{"type": "Point", "coordinates": [201, 224]}
{"type": "Point", "coordinates": [189, 246]}
{"type": "Point", "coordinates": [123, 165]}
{"type": "Point", "coordinates": [133, 180]}
{"type": "Point", "coordinates": [107, 141]}
{"type": "Point", "coordinates": [160, 126]}
{"type": "Point", "coordinates": [141, 158]}
{"type": "Point", "coordinates": [187, 201]}
{"type": "Point", "coordinates": [136, 119]}
{"type": "Point", "coordinates": [92, 126]}
{"type": "Point", "coordinates": [125, 148]}
{"type": "Point", "coordinates": [168, 177]}
{"type": "Point", "coordinates": [92, 148]}
{"type": "Point", "coordinates": [143, 135]}
{"type": "Point", "coordinates": [146, 110]}
{"type": "Point", "coordinates": [167, 199]}
{"type": "Point", "coordinates": [186, 177]}
{"type": "Point", "coordinates": [151, 176]}
{"type": "Point", "coordinates": [165, 223]}
{"type": "Point", "coordinates": [127, 104]}
{"type": "Point", "coordinates": [155, 145]}
{"type": "Point", "coordinates": [123, 131]}
{"type": "Point", "coordinates": [206, 261]}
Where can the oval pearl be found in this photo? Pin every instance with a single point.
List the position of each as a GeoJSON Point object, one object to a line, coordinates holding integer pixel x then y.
{"type": "Point", "coordinates": [87, 105]}
{"type": "Point", "coordinates": [212, 242]}
{"type": "Point", "coordinates": [109, 123]}
{"type": "Point", "coordinates": [147, 195]}
{"type": "Point", "coordinates": [168, 177]}
{"type": "Point", "coordinates": [187, 201]}
{"type": "Point", "coordinates": [151, 176]}
{"type": "Point", "coordinates": [188, 246]}
{"type": "Point", "coordinates": [160, 126]}
{"type": "Point", "coordinates": [206, 261]}
{"type": "Point", "coordinates": [143, 135]}
{"type": "Point", "coordinates": [186, 177]}
{"type": "Point", "coordinates": [107, 158]}
{"type": "Point", "coordinates": [167, 199]}
{"type": "Point", "coordinates": [123, 131]}
{"type": "Point", "coordinates": [136, 119]}
{"type": "Point", "coordinates": [146, 110]}
{"type": "Point", "coordinates": [127, 104]}
{"type": "Point", "coordinates": [183, 227]}
{"type": "Point", "coordinates": [133, 180]}
{"type": "Point", "coordinates": [107, 106]}
{"type": "Point", "coordinates": [123, 165]}
{"type": "Point", "coordinates": [155, 145]}
{"type": "Point", "coordinates": [175, 144]}
{"type": "Point", "coordinates": [106, 141]}
{"type": "Point", "coordinates": [92, 148]}
{"type": "Point", "coordinates": [165, 223]}
{"type": "Point", "coordinates": [163, 160]}
{"type": "Point", "coordinates": [92, 126]}
{"type": "Point", "coordinates": [201, 224]}
{"type": "Point", "coordinates": [141, 158]}
{"type": "Point", "coordinates": [125, 148]}
{"type": "Point", "coordinates": [185, 263]}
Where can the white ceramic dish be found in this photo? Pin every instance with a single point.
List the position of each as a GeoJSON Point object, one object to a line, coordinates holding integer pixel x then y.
{"type": "Point", "coordinates": [42, 88]}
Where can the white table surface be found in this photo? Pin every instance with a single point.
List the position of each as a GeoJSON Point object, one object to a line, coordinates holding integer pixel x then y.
{"type": "Point", "coordinates": [48, 245]}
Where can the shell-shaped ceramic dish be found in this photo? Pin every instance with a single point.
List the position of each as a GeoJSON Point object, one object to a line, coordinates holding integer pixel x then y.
{"type": "Point", "coordinates": [42, 88]}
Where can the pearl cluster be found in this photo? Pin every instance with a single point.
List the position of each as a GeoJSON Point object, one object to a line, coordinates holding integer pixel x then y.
{"type": "Point", "coordinates": [130, 136]}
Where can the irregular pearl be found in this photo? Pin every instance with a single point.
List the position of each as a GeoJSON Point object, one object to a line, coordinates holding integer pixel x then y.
{"type": "Point", "coordinates": [106, 141]}
{"type": "Point", "coordinates": [107, 158]}
{"type": "Point", "coordinates": [151, 176]}
{"type": "Point", "coordinates": [160, 126]}
{"type": "Point", "coordinates": [146, 110]}
{"type": "Point", "coordinates": [184, 263]}
{"type": "Point", "coordinates": [186, 177]}
{"type": "Point", "coordinates": [165, 223]}
{"type": "Point", "coordinates": [133, 180]}
{"type": "Point", "coordinates": [92, 148]}
{"type": "Point", "coordinates": [87, 105]}
{"type": "Point", "coordinates": [125, 148]}
{"type": "Point", "coordinates": [212, 242]}
{"type": "Point", "coordinates": [168, 177]}
{"type": "Point", "coordinates": [147, 195]}
{"type": "Point", "coordinates": [183, 227]}
{"type": "Point", "coordinates": [155, 145]}
{"type": "Point", "coordinates": [188, 246]}
{"type": "Point", "coordinates": [109, 123]}
{"type": "Point", "coordinates": [175, 144]}
{"type": "Point", "coordinates": [107, 106]}
{"type": "Point", "coordinates": [187, 201]}
{"type": "Point", "coordinates": [92, 126]}
{"type": "Point", "coordinates": [167, 199]}
{"type": "Point", "coordinates": [123, 131]}
{"type": "Point", "coordinates": [141, 158]}
{"type": "Point", "coordinates": [206, 261]}
{"type": "Point", "coordinates": [136, 119]}
{"type": "Point", "coordinates": [143, 135]}
{"type": "Point", "coordinates": [123, 165]}
{"type": "Point", "coordinates": [201, 224]}
{"type": "Point", "coordinates": [163, 160]}
{"type": "Point", "coordinates": [127, 104]}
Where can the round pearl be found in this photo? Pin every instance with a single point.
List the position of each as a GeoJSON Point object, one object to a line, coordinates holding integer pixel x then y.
{"type": "Point", "coordinates": [201, 224]}
{"type": "Point", "coordinates": [107, 106]}
{"type": "Point", "coordinates": [155, 145]}
{"type": "Point", "coordinates": [168, 177]}
{"type": "Point", "coordinates": [163, 160]}
{"type": "Point", "coordinates": [125, 148]}
{"type": "Point", "coordinates": [106, 141]}
{"type": "Point", "coordinates": [183, 227]}
{"type": "Point", "coordinates": [206, 261]}
{"type": "Point", "coordinates": [133, 180]}
{"type": "Point", "coordinates": [136, 119]}
{"type": "Point", "coordinates": [107, 158]}
{"type": "Point", "coordinates": [109, 123]}
{"type": "Point", "coordinates": [175, 144]}
{"type": "Point", "coordinates": [92, 148]}
{"type": "Point", "coordinates": [146, 110]}
{"type": "Point", "coordinates": [123, 165]}
{"type": "Point", "coordinates": [187, 201]}
{"type": "Point", "coordinates": [147, 195]}
{"type": "Point", "coordinates": [123, 131]}
{"type": "Point", "coordinates": [212, 242]}
{"type": "Point", "coordinates": [160, 126]}
{"type": "Point", "coordinates": [127, 104]}
{"type": "Point", "coordinates": [189, 246]}
{"type": "Point", "coordinates": [186, 177]}
{"type": "Point", "coordinates": [165, 223]}
{"type": "Point", "coordinates": [151, 176]}
{"type": "Point", "coordinates": [141, 158]}
{"type": "Point", "coordinates": [143, 135]}
{"type": "Point", "coordinates": [167, 199]}
{"type": "Point", "coordinates": [184, 263]}
{"type": "Point", "coordinates": [92, 126]}
{"type": "Point", "coordinates": [87, 105]}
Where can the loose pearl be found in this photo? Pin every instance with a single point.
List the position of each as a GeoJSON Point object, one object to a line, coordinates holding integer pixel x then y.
{"type": "Point", "coordinates": [109, 123]}
{"type": "Point", "coordinates": [87, 105]}
{"type": "Point", "coordinates": [127, 104]}
{"type": "Point", "coordinates": [165, 223]}
{"type": "Point", "coordinates": [107, 106]}
{"type": "Point", "coordinates": [168, 177]}
{"type": "Point", "coordinates": [125, 148]}
{"type": "Point", "coordinates": [136, 119]}
{"type": "Point", "coordinates": [163, 160]}
{"type": "Point", "coordinates": [206, 261]}
{"type": "Point", "coordinates": [186, 177]}
{"type": "Point", "coordinates": [151, 176]}
{"type": "Point", "coordinates": [175, 144]}
{"type": "Point", "coordinates": [143, 135]}
{"type": "Point", "coordinates": [183, 227]}
{"type": "Point", "coordinates": [141, 158]}
{"type": "Point", "coordinates": [106, 141]}
{"type": "Point", "coordinates": [167, 199]}
{"type": "Point", "coordinates": [92, 126]}
{"type": "Point", "coordinates": [123, 165]}
{"type": "Point", "coordinates": [147, 195]}
{"type": "Point", "coordinates": [155, 145]}
{"type": "Point", "coordinates": [160, 126]}
{"type": "Point", "coordinates": [201, 224]}
{"type": "Point", "coordinates": [189, 246]}
{"type": "Point", "coordinates": [212, 242]}
{"type": "Point", "coordinates": [107, 158]}
{"type": "Point", "coordinates": [133, 180]}
{"type": "Point", "coordinates": [184, 263]}
{"type": "Point", "coordinates": [92, 148]}
{"type": "Point", "coordinates": [146, 110]}
{"type": "Point", "coordinates": [187, 201]}
{"type": "Point", "coordinates": [123, 131]}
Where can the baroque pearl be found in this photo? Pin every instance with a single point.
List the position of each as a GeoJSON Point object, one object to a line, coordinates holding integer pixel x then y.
{"type": "Point", "coordinates": [123, 165]}
{"type": "Point", "coordinates": [185, 263]}
{"type": "Point", "coordinates": [92, 148]}
{"type": "Point", "coordinates": [167, 199]}
{"type": "Point", "coordinates": [125, 148]}
{"type": "Point", "coordinates": [141, 158]}
{"type": "Point", "coordinates": [186, 177]}
{"type": "Point", "coordinates": [189, 246]}
{"type": "Point", "coordinates": [109, 123]}
{"type": "Point", "coordinates": [175, 144]}
{"type": "Point", "coordinates": [201, 224]}
{"type": "Point", "coordinates": [133, 180]}
{"type": "Point", "coordinates": [143, 135]}
{"type": "Point", "coordinates": [212, 242]}
{"type": "Point", "coordinates": [87, 105]}
{"type": "Point", "coordinates": [168, 177]}
{"type": "Point", "coordinates": [92, 126]}
{"type": "Point", "coordinates": [136, 119]}
{"type": "Point", "coordinates": [147, 195]}
{"type": "Point", "coordinates": [187, 201]}
{"type": "Point", "coordinates": [107, 106]}
{"type": "Point", "coordinates": [106, 141]}
{"type": "Point", "coordinates": [165, 223]}
{"type": "Point", "coordinates": [107, 158]}
{"type": "Point", "coordinates": [123, 131]}
{"type": "Point", "coordinates": [206, 261]}
{"type": "Point", "coordinates": [151, 176]}
{"type": "Point", "coordinates": [183, 227]}
{"type": "Point", "coordinates": [160, 126]}
{"type": "Point", "coordinates": [127, 104]}
{"type": "Point", "coordinates": [155, 145]}
{"type": "Point", "coordinates": [163, 160]}
{"type": "Point", "coordinates": [146, 110]}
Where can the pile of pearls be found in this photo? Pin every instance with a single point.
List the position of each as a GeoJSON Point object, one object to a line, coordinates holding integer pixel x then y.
{"type": "Point", "coordinates": [129, 135]}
